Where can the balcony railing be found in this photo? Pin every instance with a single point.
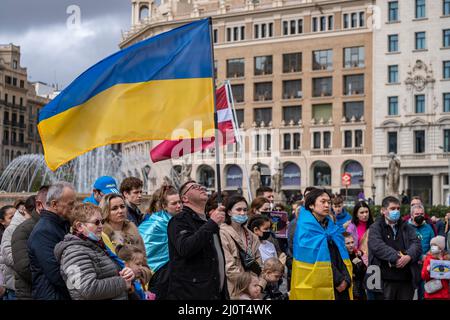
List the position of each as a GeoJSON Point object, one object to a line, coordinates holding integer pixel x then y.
{"type": "Point", "coordinates": [261, 154]}
{"type": "Point", "coordinates": [321, 152]}
{"type": "Point", "coordinates": [291, 153]}
{"type": "Point", "coordinates": [352, 150]}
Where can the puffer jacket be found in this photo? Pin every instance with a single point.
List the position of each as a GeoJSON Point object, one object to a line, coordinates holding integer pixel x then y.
{"type": "Point", "coordinates": [233, 264]}
{"type": "Point", "coordinates": [20, 256]}
{"type": "Point", "coordinates": [6, 250]}
{"type": "Point", "coordinates": [89, 273]}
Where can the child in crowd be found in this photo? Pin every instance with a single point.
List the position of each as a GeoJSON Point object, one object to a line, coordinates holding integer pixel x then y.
{"type": "Point", "coordinates": [340, 215]}
{"type": "Point", "coordinates": [260, 225]}
{"type": "Point", "coordinates": [434, 289]}
{"type": "Point", "coordinates": [272, 273]}
{"type": "Point", "coordinates": [359, 267]}
{"type": "Point", "coordinates": [247, 287]}
{"type": "Point", "coordinates": [135, 259]}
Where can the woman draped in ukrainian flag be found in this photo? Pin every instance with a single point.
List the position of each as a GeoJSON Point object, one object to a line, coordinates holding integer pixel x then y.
{"type": "Point", "coordinates": [321, 267]}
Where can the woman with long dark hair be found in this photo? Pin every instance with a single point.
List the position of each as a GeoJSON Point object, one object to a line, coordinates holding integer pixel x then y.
{"type": "Point", "coordinates": [361, 220]}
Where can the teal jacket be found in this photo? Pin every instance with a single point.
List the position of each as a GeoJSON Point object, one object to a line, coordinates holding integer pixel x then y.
{"type": "Point", "coordinates": [425, 233]}
{"type": "Point", "coordinates": [154, 233]}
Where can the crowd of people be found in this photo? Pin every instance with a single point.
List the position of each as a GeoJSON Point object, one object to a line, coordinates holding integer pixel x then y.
{"type": "Point", "coordinates": [191, 245]}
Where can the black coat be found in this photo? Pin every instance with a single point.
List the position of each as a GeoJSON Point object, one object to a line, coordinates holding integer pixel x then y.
{"type": "Point", "coordinates": [20, 256]}
{"type": "Point", "coordinates": [135, 215]}
{"type": "Point", "coordinates": [47, 283]}
{"type": "Point", "coordinates": [193, 265]}
{"type": "Point", "coordinates": [380, 252]}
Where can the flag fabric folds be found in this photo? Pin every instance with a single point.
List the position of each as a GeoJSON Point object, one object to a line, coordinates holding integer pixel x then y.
{"type": "Point", "coordinates": [312, 275]}
{"type": "Point", "coordinates": [144, 92]}
{"type": "Point", "coordinates": [176, 148]}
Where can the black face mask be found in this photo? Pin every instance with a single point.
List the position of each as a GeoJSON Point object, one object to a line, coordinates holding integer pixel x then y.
{"type": "Point", "coordinates": [265, 236]}
{"type": "Point", "coordinates": [419, 220]}
{"type": "Point", "coordinates": [265, 213]}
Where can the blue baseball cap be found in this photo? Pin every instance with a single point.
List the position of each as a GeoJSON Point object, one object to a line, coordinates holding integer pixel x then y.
{"type": "Point", "coordinates": [106, 185]}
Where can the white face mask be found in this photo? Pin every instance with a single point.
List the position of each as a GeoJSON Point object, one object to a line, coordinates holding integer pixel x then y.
{"type": "Point", "coordinates": [435, 249]}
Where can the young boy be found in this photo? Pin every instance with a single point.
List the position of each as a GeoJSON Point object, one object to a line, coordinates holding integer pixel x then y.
{"type": "Point", "coordinates": [272, 273]}
{"type": "Point", "coordinates": [359, 268]}
{"type": "Point", "coordinates": [341, 217]}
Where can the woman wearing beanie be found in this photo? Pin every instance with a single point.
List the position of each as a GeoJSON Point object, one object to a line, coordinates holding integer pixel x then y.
{"type": "Point", "coordinates": [437, 252]}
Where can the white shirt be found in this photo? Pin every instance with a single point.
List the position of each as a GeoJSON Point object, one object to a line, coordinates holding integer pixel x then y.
{"type": "Point", "coordinates": [267, 250]}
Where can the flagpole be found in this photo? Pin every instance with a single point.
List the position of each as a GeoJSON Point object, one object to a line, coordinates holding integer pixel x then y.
{"type": "Point", "coordinates": [216, 126]}
{"type": "Point", "coordinates": [237, 134]}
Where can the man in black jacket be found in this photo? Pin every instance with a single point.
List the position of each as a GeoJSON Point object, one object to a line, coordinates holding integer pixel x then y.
{"type": "Point", "coordinates": [395, 248]}
{"type": "Point", "coordinates": [197, 262]}
{"type": "Point", "coordinates": [131, 189]}
{"type": "Point", "coordinates": [20, 248]}
{"type": "Point", "coordinates": [47, 283]}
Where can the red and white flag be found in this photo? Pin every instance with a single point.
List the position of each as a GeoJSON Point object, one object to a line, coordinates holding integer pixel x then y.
{"type": "Point", "coordinates": [176, 148]}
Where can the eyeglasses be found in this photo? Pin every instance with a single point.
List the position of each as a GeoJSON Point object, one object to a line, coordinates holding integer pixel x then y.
{"type": "Point", "coordinates": [195, 186]}
{"type": "Point", "coordinates": [97, 222]}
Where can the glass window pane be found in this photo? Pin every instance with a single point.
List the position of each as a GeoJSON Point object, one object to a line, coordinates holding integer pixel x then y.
{"type": "Point", "coordinates": [287, 141]}
{"type": "Point", "coordinates": [262, 114]}
{"type": "Point", "coordinates": [392, 142]}
{"type": "Point", "coordinates": [358, 138]}
{"type": "Point", "coordinates": [326, 139]}
{"type": "Point", "coordinates": [263, 91]}
{"type": "Point", "coordinates": [322, 111]}
{"type": "Point", "coordinates": [238, 92]}
{"type": "Point", "coordinates": [353, 110]}
{"type": "Point", "coordinates": [293, 113]}
{"type": "Point", "coordinates": [393, 106]}
{"type": "Point", "coordinates": [322, 87]}
{"type": "Point", "coordinates": [316, 141]}
{"type": "Point", "coordinates": [348, 139]}
{"type": "Point", "coordinates": [292, 89]}
{"type": "Point", "coordinates": [354, 84]}
{"type": "Point", "coordinates": [263, 65]}
{"type": "Point", "coordinates": [292, 62]}
{"type": "Point", "coordinates": [446, 104]}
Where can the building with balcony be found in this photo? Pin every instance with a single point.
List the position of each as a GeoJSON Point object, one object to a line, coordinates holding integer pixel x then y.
{"type": "Point", "coordinates": [19, 105]}
{"type": "Point", "coordinates": [412, 97]}
{"type": "Point", "coordinates": [301, 77]}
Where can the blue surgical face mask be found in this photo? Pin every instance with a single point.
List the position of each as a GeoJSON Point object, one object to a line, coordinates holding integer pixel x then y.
{"type": "Point", "coordinates": [239, 218]}
{"type": "Point", "coordinates": [394, 215]}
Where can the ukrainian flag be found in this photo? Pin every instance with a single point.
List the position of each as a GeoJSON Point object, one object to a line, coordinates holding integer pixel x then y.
{"type": "Point", "coordinates": [312, 275]}
{"type": "Point", "coordinates": [144, 92]}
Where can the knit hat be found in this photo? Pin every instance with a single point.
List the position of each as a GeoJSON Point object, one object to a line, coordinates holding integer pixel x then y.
{"type": "Point", "coordinates": [438, 241]}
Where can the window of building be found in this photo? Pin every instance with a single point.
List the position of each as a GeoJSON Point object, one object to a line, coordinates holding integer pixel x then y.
{"type": "Point", "coordinates": [215, 35]}
{"type": "Point", "coordinates": [143, 13]}
{"type": "Point", "coordinates": [287, 141]}
{"type": "Point", "coordinates": [354, 57]}
{"type": "Point", "coordinates": [393, 11]}
{"type": "Point", "coordinates": [235, 33]}
{"type": "Point", "coordinates": [446, 38]}
{"type": "Point", "coordinates": [419, 141]}
{"type": "Point", "coordinates": [354, 20]}
{"type": "Point", "coordinates": [316, 140]}
{"type": "Point", "coordinates": [322, 112]}
{"type": "Point", "coordinates": [292, 89]}
{"type": "Point", "coordinates": [393, 43]}
{"type": "Point", "coordinates": [8, 80]}
{"type": "Point", "coordinates": [393, 74]}
{"type": "Point", "coordinates": [263, 65]}
{"type": "Point", "coordinates": [446, 140]}
{"type": "Point", "coordinates": [326, 139]}
{"type": "Point", "coordinates": [322, 23]}
{"type": "Point", "coordinates": [5, 137]}
{"type": "Point", "coordinates": [21, 138]}
{"type": "Point", "coordinates": [420, 41]}
{"type": "Point", "coordinates": [420, 9]}
{"type": "Point", "coordinates": [348, 138]}
{"type": "Point", "coordinates": [292, 62]}
{"type": "Point", "coordinates": [358, 138]}
{"type": "Point", "coordinates": [446, 7]}
{"type": "Point", "coordinates": [14, 100]}
{"type": "Point", "coordinates": [292, 113]}
{"type": "Point", "coordinates": [354, 84]}
{"type": "Point", "coordinates": [446, 71]}
{"type": "Point", "coordinates": [362, 19]}
{"type": "Point", "coordinates": [323, 60]}
{"type": "Point", "coordinates": [346, 20]}
{"type": "Point", "coordinates": [323, 87]}
{"type": "Point", "coordinates": [353, 110]}
{"type": "Point", "coordinates": [5, 116]}
{"type": "Point", "coordinates": [14, 118]}
{"type": "Point", "coordinates": [240, 116]}
{"type": "Point", "coordinates": [22, 84]}
{"type": "Point", "coordinates": [262, 114]}
{"type": "Point", "coordinates": [238, 92]}
{"type": "Point", "coordinates": [392, 142]}
{"type": "Point", "coordinates": [235, 68]}
{"type": "Point", "coordinates": [420, 103]}
{"type": "Point", "coordinates": [15, 64]}
{"type": "Point", "coordinates": [291, 27]}
{"type": "Point", "coordinates": [14, 82]}
{"type": "Point", "coordinates": [263, 30]}
{"type": "Point", "coordinates": [446, 103]}
{"type": "Point", "coordinates": [263, 91]}
{"type": "Point", "coordinates": [21, 102]}
{"type": "Point", "coordinates": [6, 98]}
{"type": "Point", "coordinates": [392, 106]}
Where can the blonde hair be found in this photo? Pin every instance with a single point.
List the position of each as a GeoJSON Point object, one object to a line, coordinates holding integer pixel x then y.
{"type": "Point", "coordinates": [105, 204]}
{"type": "Point", "coordinates": [243, 282]}
{"type": "Point", "coordinates": [273, 265]}
{"type": "Point", "coordinates": [82, 213]}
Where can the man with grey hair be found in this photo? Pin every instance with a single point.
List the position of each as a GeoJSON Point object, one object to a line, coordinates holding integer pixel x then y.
{"type": "Point", "coordinates": [47, 283]}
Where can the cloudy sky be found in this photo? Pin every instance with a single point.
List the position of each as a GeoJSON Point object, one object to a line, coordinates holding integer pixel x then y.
{"type": "Point", "coordinates": [57, 46]}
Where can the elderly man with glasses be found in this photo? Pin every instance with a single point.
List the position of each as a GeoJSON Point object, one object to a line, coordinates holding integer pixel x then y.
{"type": "Point", "coordinates": [197, 263]}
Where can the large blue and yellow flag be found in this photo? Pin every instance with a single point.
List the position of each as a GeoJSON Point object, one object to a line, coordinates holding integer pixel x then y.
{"type": "Point", "coordinates": [144, 92]}
{"type": "Point", "coordinates": [312, 274]}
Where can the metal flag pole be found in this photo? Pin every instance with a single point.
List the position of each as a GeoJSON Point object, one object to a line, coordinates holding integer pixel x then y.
{"type": "Point", "coordinates": [216, 126]}
{"type": "Point", "coordinates": [238, 136]}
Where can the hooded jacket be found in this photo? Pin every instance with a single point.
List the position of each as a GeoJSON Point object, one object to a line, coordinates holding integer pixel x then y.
{"type": "Point", "coordinates": [89, 273]}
